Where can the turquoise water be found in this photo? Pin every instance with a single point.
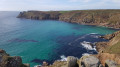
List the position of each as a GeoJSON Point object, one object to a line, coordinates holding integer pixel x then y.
{"type": "Point", "coordinates": [37, 41]}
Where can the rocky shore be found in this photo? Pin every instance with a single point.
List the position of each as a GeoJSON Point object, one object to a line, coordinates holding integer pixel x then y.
{"type": "Point", "coordinates": [108, 55]}
{"type": "Point", "coordinates": [108, 52]}
{"type": "Point", "coordinates": [107, 18]}
{"type": "Point", "coordinates": [10, 61]}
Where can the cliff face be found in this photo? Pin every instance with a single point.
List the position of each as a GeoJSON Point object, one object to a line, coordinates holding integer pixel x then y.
{"type": "Point", "coordinates": [109, 18]}
{"type": "Point", "coordinates": [10, 61]}
{"type": "Point", "coordinates": [109, 50]}
{"type": "Point", "coordinates": [40, 15]}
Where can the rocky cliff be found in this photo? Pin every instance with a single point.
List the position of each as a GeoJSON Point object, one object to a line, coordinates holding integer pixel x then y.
{"type": "Point", "coordinates": [111, 49]}
{"type": "Point", "coordinates": [10, 61]}
{"type": "Point", "coordinates": [108, 18]}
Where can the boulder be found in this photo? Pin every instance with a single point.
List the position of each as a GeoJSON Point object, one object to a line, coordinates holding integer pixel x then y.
{"type": "Point", "coordinates": [72, 61]}
{"type": "Point", "coordinates": [110, 63]}
{"type": "Point", "coordinates": [89, 61]}
{"type": "Point", "coordinates": [45, 64]}
{"type": "Point", "coordinates": [9, 61]}
{"type": "Point", "coordinates": [14, 61]}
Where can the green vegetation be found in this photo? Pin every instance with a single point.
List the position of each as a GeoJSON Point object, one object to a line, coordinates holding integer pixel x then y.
{"type": "Point", "coordinates": [115, 48]}
{"type": "Point", "coordinates": [64, 11]}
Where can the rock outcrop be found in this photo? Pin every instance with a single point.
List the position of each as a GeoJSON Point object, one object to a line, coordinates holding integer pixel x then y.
{"type": "Point", "coordinates": [89, 61]}
{"type": "Point", "coordinates": [72, 61]}
{"type": "Point", "coordinates": [109, 50]}
{"type": "Point", "coordinates": [9, 61]}
{"type": "Point", "coordinates": [108, 18]}
{"type": "Point", "coordinates": [110, 63]}
{"type": "Point", "coordinates": [40, 15]}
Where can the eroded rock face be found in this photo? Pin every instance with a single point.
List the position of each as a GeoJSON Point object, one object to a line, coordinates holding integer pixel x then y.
{"type": "Point", "coordinates": [89, 61]}
{"type": "Point", "coordinates": [100, 46]}
{"type": "Point", "coordinates": [72, 61]}
{"type": "Point", "coordinates": [39, 15]}
{"type": "Point", "coordinates": [110, 63]}
{"type": "Point", "coordinates": [106, 56]}
{"type": "Point", "coordinates": [110, 36]}
{"type": "Point", "coordinates": [9, 61]}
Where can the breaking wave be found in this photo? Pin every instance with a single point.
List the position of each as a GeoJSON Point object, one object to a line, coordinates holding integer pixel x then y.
{"type": "Point", "coordinates": [63, 58]}
{"type": "Point", "coordinates": [87, 45]}
{"type": "Point", "coordinates": [85, 54]}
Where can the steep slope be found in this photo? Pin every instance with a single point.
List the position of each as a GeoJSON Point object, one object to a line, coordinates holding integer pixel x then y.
{"type": "Point", "coordinates": [108, 18]}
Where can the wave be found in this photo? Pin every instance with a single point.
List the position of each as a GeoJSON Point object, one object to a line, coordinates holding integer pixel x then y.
{"type": "Point", "coordinates": [88, 45]}
{"type": "Point", "coordinates": [86, 54]}
{"type": "Point", "coordinates": [37, 65]}
{"type": "Point", "coordinates": [63, 58]}
{"type": "Point", "coordinates": [93, 33]}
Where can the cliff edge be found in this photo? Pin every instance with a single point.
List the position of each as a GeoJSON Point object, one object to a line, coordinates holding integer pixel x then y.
{"type": "Point", "coordinates": [10, 61]}
{"type": "Point", "coordinates": [108, 18]}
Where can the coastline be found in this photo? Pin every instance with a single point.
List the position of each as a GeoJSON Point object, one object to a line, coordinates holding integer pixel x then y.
{"type": "Point", "coordinates": [101, 56]}
{"type": "Point", "coordinates": [75, 17]}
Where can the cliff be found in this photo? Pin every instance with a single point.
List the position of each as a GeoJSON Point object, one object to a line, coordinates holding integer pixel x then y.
{"type": "Point", "coordinates": [108, 18]}
{"type": "Point", "coordinates": [111, 49]}
{"type": "Point", "coordinates": [10, 61]}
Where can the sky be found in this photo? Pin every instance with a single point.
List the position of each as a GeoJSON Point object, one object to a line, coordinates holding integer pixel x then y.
{"type": "Point", "coordinates": [46, 5]}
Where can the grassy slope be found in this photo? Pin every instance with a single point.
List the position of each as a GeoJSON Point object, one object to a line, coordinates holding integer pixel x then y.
{"type": "Point", "coordinates": [115, 47]}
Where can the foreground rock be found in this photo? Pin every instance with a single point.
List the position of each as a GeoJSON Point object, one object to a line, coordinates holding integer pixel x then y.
{"type": "Point", "coordinates": [9, 61]}
{"type": "Point", "coordinates": [72, 61]}
{"type": "Point", "coordinates": [110, 63]}
{"type": "Point", "coordinates": [89, 61]}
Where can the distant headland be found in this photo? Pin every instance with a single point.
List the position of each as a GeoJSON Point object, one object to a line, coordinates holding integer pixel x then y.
{"type": "Point", "coordinates": [107, 18]}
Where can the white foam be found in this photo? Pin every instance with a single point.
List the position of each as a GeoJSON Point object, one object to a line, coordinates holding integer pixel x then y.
{"type": "Point", "coordinates": [37, 66]}
{"type": "Point", "coordinates": [87, 45]}
{"type": "Point", "coordinates": [63, 58]}
{"type": "Point", "coordinates": [93, 33]}
{"type": "Point", "coordinates": [86, 54]}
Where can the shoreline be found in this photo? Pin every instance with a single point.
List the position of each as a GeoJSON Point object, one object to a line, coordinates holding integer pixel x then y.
{"type": "Point", "coordinates": [108, 52]}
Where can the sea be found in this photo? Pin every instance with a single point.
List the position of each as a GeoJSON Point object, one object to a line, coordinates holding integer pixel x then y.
{"type": "Point", "coordinates": [36, 41]}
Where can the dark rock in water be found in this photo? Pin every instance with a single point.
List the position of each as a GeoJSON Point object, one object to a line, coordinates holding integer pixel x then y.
{"type": "Point", "coordinates": [9, 61]}
{"type": "Point", "coordinates": [21, 40]}
{"type": "Point", "coordinates": [89, 61]}
{"type": "Point", "coordinates": [110, 63]}
{"type": "Point", "coordinates": [41, 61]}
{"type": "Point", "coordinates": [72, 61]}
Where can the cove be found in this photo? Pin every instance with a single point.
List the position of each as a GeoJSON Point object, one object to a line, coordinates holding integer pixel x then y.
{"type": "Point", "coordinates": [46, 40]}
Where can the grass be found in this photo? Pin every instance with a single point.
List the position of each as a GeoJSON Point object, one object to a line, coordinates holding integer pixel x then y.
{"type": "Point", "coordinates": [115, 48]}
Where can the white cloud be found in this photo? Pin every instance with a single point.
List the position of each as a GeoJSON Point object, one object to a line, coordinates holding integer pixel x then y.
{"type": "Point", "coordinates": [116, 1]}
{"type": "Point", "coordinates": [79, 0]}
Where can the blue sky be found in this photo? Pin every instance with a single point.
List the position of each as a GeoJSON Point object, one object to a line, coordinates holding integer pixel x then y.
{"type": "Point", "coordinates": [44, 5]}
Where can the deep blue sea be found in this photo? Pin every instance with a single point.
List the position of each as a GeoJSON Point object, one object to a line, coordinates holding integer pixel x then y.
{"type": "Point", "coordinates": [47, 40]}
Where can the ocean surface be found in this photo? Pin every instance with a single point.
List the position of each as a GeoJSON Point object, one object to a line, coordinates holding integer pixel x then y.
{"type": "Point", "coordinates": [47, 40]}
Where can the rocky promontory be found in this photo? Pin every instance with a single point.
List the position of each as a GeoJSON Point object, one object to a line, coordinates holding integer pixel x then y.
{"type": "Point", "coordinates": [108, 18]}
{"type": "Point", "coordinates": [10, 61]}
